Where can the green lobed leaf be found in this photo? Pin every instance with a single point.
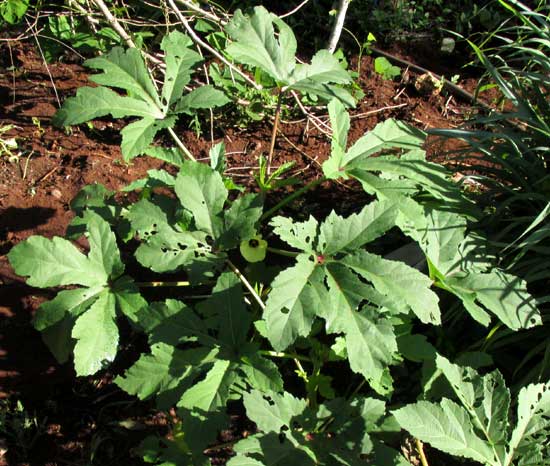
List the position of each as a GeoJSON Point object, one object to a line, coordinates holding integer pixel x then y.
{"type": "Point", "coordinates": [445, 426]}
{"type": "Point", "coordinates": [201, 97]}
{"type": "Point", "coordinates": [168, 250]}
{"type": "Point", "coordinates": [96, 336]}
{"type": "Point", "coordinates": [261, 373]}
{"type": "Point", "coordinates": [370, 341]}
{"type": "Point", "coordinates": [318, 77]}
{"type": "Point", "coordinates": [274, 411]}
{"type": "Point", "coordinates": [486, 399]}
{"type": "Point", "coordinates": [295, 297]}
{"type": "Point", "coordinates": [338, 234]}
{"type": "Point", "coordinates": [125, 69]}
{"type": "Point", "coordinates": [54, 262]}
{"type": "Point", "coordinates": [255, 43]}
{"type": "Point", "coordinates": [504, 295]}
{"type": "Point", "coordinates": [104, 253]}
{"type": "Point", "coordinates": [179, 59]}
{"type": "Point", "coordinates": [299, 235]}
{"type": "Point", "coordinates": [386, 135]}
{"type": "Point", "coordinates": [533, 425]}
{"type": "Point", "coordinates": [403, 285]}
{"type": "Point", "coordinates": [340, 123]}
{"type": "Point", "coordinates": [227, 302]}
{"type": "Point", "coordinates": [138, 136]}
{"type": "Point", "coordinates": [94, 102]}
{"type": "Point", "coordinates": [202, 191]}
{"type": "Point", "coordinates": [146, 218]}
{"type": "Point", "coordinates": [239, 221]}
{"type": "Point", "coordinates": [128, 298]}
{"type": "Point", "coordinates": [164, 369]}
{"type": "Point", "coordinates": [214, 391]}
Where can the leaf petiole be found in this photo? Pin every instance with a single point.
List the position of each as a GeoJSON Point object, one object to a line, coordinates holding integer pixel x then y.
{"type": "Point", "coordinates": [291, 197]}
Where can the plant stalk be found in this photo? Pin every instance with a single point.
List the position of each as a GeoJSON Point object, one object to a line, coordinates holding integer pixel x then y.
{"type": "Point", "coordinates": [274, 131]}
{"type": "Point", "coordinates": [246, 283]}
{"type": "Point", "coordinates": [181, 145]}
{"type": "Point", "coordinates": [280, 354]}
{"type": "Point", "coordinates": [282, 252]}
{"type": "Point", "coordinates": [161, 284]}
{"type": "Point", "coordinates": [421, 454]}
{"type": "Point", "coordinates": [291, 197]}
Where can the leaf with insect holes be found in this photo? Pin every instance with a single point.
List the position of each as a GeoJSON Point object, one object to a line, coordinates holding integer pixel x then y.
{"type": "Point", "coordinates": [400, 283]}
{"type": "Point", "coordinates": [335, 433]}
{"type": "Point", "coordinates": [297, 293]}
{"type": "Point", "coordinates": [370, 341]}
{"type": "Point", "coordinates": [202, 191]}
{"type": "Point", "coordinates": [180, 59]}
{"type": "Point", "coordinates": [169, 250]}
{"type": "Point", "coordinates": [96, 335]}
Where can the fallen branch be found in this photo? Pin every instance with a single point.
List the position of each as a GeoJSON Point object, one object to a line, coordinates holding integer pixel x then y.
{"type": "Point", "coordinates": [338, 25]}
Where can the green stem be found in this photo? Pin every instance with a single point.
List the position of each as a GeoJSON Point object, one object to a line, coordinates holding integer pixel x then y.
{"type": "Point", "coordinates": [161, 284]}
{"type": "Point", "coordinates": [181, 145]}
{"type": "Point", "coordinates": [246, 283]}
{"type": "Point", "coordinates": [274, 131]}
{"type": "Point", "coordinates": [280, 354]}
{"type": "Point", "coordinates": [291, 197]}
{"type": "Point", "coordinates": [282, 252]}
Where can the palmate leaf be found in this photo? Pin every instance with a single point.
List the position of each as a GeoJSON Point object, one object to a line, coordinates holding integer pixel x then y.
{"type": "Point", "coordinates": [339, 234]}
{"type": "Point", "coordinates": [504, 295]}
{"type": "Point", "coordinates": [165, 369]}
{"type": "Point", "coordinates": [85, 317]}
{"type": "Point", "coordinates": [180, 59]}
{"type": "Point", "coordinates": [293, 302]}
{"type": "Point", "coordinates": [299, 235]}
{"type": "Point", "coordinates": [486, 399]}
{"type": "Point", "coordinates": [168, 250]}
{"type": "Point", "coordinates": [126, 70]}
{"type": "Point", "coordinates": [333, 278]}
{"type": "Point", "coordinates": [94, 102]}
{"type": "Point", "coordinates": [370, 341]}
{"type": "Point", "coordinates": [402, 284]}
{"type": "Point", "coordinates": [293, 433]}
{"type": "Point", "coordinates": [202, 191]}
{"type": "Point", "coordinates": [255, 44]}
{"type": "Point", "coordinates": [202, 97]}
{"type": "Point", "coordinates": [447, 427]}
{"type": "Point", "coordinates": [54, 262]}
{"type": "Point", "coordinates": [96, 335]}
{"type": "Point", "coordinates": [479, 430]}
{"type": "Point", "coordinates": [214, 391]}
{"type": "Point", "coordinates": [530, 436]}
{"type": "Point", "coordinates": [240, 220]}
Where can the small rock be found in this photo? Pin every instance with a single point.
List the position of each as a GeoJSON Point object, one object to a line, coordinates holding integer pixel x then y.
{"type": "Point", "coordinates": [56, 193]}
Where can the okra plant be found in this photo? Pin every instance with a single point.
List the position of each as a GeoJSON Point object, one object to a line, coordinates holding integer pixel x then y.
{"type": "Point", "coordinates": [305, 322]}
